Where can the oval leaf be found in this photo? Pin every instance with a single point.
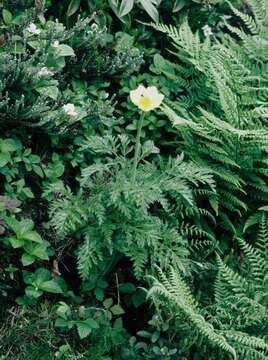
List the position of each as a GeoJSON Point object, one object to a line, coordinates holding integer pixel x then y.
{"type": "Point", "coordinates": [73, 7]}
{"type": "Point", "coordinates": [125, 7]}
{"type": "Point", "coordinates": [150, 8]}
{"type": "Point", "coordinates": [51, 287]}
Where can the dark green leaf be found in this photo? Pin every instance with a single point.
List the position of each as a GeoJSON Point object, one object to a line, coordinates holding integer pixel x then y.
{"type": "Point", "coordinates": [117, 310]}
{"type": "Point", "coordinates": [7, 16]}
{"type": "Point", "coordinates": [73, 7]}
{"type": "Point", "coordinates": [51, 286]}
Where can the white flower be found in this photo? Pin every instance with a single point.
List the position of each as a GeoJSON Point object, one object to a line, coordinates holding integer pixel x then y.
{"type": "Point", "coordinates": [56, 44]}
{"type": "Point", "coordinates": [44, 72]}
{"type": "Point", "coordinates": [207, 30]}
{"type": "Point", "coordinates": [94, 27]}
{"type": "Point", "coordinates": [146, 99]}
{"type": "Point", "coordinates": [70, 109]}
{"type": "Point", "coordinates": [33, 29]}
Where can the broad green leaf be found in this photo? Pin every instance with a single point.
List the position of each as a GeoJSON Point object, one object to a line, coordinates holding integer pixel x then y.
{"type": "Point", "coordinates": [107, 303]}
{"type": "Point", "coordinates": [125, 41]}
{"type": "Point", "coordinates": [38, 170]}
{"type": "Point", "coordinates": [85, 327]}
{"type": "Point", "coordinates": [178, 5]}
{"type": "Point", "coordinates": [40, 251]}
{"type": "Point", "coordinates": [49, 91]}
{"type": "Point", "coordinates": [7, 16]}
{"type": "Point", "coordinates": [9, 145]}
{"type": "Point", "coordinates": [32, 236]}
{"type": "Point", "coordinates": [155, 336]}
{"type": "Point", "coordinates": [138, 298]}
{"type": "Point", "coordinates": [28, 192]}
{"type": "Point", "coordinates": [118, 324]}
{"type": "Point", "coordinates": [51, 287]}
{"type": "Point", "coordinates": [16, 242]}
{"type": "Point", "coordinates": [61, 323]}
{"type": "Point", "coordinates": [32, 292]}
{"type": "Point", "coordinates": [35, 44]}
{"type": "Point", "coordinates": [54, 170]}
{"type": "Point", "coordinates": [28, 277]}
{"type": "Point", "coordinates": [40, 276]}
{"type": "Point", "coordinates": [64, 310]}
{"type": "Point", "coordinates": [83, 330]}
{"type": "Point", "coordinates": [27, 259]}
{"type": "Point", "coordinates": [99, 293]}
{"type": "Point", "coordinates": [73, 7]}
{"type": "Point", "coordinates": [117, 310]}
{"type": "Point", "coordinates": [5, 158]}
{"type": "Point", "coordinates": [22, 227]}
{"type": "Point", "coordinates": [102, 284]}
{"type": "Point", "coordinates": [65, 50]}
{"type": "Point", "coordinates": [125, 7]}
{"type": "Point", "coordinates": [114, 6]}
{"type": "Point", "coordinates": [127, 288]}
{"type": "Point", "coordinates": [150, 8]}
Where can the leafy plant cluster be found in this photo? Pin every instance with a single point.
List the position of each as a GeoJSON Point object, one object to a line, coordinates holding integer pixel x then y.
{"type": "Point", "coordinates": [128, 235]}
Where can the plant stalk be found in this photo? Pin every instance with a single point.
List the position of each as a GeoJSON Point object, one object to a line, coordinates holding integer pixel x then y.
{"type": "Point", "coordinates": [137, 147]}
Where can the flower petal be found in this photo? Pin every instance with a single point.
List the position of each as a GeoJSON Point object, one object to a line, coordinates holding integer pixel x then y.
{"type": "Point", "coordinates": [136, 94]}
{"type": "Point", "coordinates": [156, 97]}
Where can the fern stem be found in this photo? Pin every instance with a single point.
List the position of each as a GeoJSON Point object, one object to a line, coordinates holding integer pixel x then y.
{"type": "Point", "coordinates": [137, 147]}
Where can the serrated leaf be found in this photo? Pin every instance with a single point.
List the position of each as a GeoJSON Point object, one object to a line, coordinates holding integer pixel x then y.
{"type": "Point", "coordinates": [64, 310]}
{"type": "Point", "coordinates": [117, 310]}
{"type": "Point", "coordinates": [85, 327]}
{"type": "Point", "coordinates": [107, 303]}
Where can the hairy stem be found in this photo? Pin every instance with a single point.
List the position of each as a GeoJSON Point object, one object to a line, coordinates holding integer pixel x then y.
{"type": "Point", "coordinates": [137, 147]}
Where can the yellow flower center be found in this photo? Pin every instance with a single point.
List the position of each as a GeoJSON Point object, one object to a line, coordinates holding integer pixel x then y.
{"type": "Point", "coordinates": [145, 103]}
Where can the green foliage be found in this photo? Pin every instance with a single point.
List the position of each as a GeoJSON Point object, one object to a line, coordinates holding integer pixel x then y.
{"type": "Point", "coordinates": [94, 196]}
{"type": "Point", "coordinates": [242, 297]}
{"type": "Point", "coordinates": [219, 111]}
{"type": "Point", "coordinates": [116, 217]}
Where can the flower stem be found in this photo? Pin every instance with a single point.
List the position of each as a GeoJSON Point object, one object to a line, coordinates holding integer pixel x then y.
{"type": "Point", "coordinates": [137, 147]}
